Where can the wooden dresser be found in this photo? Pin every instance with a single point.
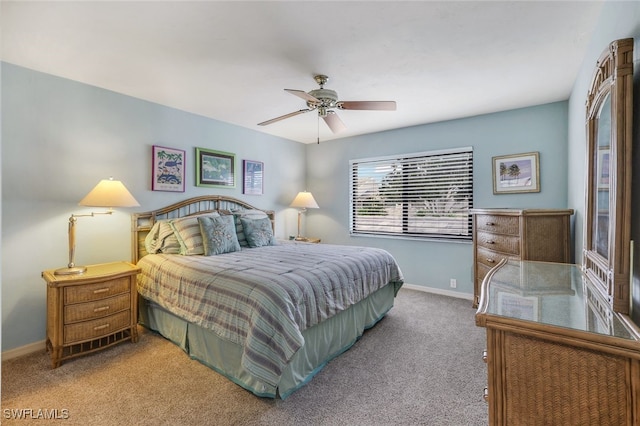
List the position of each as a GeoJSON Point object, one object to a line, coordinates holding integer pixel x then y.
{"type": "Point", "coordinates": [556, 353]}
{"type": "Point", "coordinates": [91, 311]}
{"type": "Point", "coordinates": [532, 234]}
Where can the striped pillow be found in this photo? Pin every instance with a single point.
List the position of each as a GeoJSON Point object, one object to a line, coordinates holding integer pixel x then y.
{"type": "Point", "coordinates": [189, 236]}
{"type": "Point", "coordinates": [251, 214]}
{"type": "Point", "coordinates": [162, 239]}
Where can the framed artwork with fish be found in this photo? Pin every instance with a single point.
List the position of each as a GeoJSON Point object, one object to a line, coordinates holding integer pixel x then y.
{"type": "Point", "coordinates": [167, 169]}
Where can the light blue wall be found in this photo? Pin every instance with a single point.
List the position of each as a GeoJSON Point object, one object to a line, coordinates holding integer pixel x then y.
{"type": "Point", "coordinates": [60, 137]}
{"type": "Point", "coordinates": [431, 264]}
{"type": "Point", "coordinates": [618, 20]}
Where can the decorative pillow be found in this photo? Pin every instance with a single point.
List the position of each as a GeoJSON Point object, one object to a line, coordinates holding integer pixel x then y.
{"type": "Point", "coordinates": [258, 232]}
{"type": "Point", "coordinates": [188, 232]}
{"type": "Point", "coordinates": [252, 214]}
{"type": "Point", "coordinates": [218, 235]}
{"type": "Point", "coordinates": [162, 239]}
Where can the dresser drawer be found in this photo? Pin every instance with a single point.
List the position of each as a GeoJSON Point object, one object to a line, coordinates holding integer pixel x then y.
{"type": "Point", "coordinates": [509, 225]}
{"type": "Point", "coordinates": [496, 242]}
{"type": "Point", "coordinates": [490, 258]}
{"type": "Point", "coordinates": [97, 291]}
{"type": "Point", "coordinates": [96, 309]}
{"type": "Point", "coordinates": [100, 327]}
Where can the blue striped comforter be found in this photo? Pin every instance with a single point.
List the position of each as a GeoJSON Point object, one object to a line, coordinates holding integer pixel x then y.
{"type": "Point", "coordinates": [263, 298]}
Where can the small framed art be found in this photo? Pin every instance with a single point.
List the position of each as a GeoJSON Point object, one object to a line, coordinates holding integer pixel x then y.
{"type": "Point", "coordinates": [167, 169]}
{"type": "Point", "coordinates": [516, 173]}
{"type": "Point", "coordinates": [215, 168]}
{"type": "Point", "coordinates": [253, 177]}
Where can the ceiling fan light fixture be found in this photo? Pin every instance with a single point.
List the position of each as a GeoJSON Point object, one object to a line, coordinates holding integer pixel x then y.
{"type": "Point", "coordinates": [324, 100]}
{"type": "Point", "coordinates": [327, 97]}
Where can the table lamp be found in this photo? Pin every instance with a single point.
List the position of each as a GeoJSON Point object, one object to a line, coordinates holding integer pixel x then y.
{"type": "Point", "coordinates": [107, 193]}
{"type": "Point", "coordinates": [303, 201]}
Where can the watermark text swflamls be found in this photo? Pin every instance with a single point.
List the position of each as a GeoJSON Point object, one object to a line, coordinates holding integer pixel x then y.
{"type": "Point", "coordinates": [35, 413]}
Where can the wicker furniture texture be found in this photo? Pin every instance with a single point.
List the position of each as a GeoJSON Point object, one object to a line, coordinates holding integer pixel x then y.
{"type": "Point", "coordinates": [91, 311]}
{"type": "Point", "coordinates": [540, 234]}
{"type": "Point", "coordinates": [607, 249]}
{"type": "Point", "coordinates": [557, 354]}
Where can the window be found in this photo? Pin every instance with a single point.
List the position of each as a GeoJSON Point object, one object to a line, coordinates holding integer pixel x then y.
{"type": "Point", "coordinates": [421, 195]}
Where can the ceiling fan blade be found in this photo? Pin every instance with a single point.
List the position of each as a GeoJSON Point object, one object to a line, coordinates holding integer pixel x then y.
{"type": "Point", "coordinates": [368, 105]}
{"type": "Point", "coordinates": [304, 95]}
{"type": "Point", "coordinates": [282, 117]}
{"type": "Point", "coordinates": [334, 122]}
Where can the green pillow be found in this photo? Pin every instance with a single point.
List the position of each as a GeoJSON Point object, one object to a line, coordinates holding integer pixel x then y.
{"type": "Point", "coordinates": [258, 232]}
{"type": "Point", "coordinates": [218, 235]}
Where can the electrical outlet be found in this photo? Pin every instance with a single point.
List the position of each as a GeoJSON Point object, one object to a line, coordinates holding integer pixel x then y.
{"type": "Point", "coordinates": [453, 283]}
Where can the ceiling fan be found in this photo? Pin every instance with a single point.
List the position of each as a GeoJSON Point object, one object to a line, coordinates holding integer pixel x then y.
{"type": "Point", "coordinates": [325, 101]}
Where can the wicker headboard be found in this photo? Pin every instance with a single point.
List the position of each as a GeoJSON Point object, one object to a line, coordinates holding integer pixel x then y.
{"type": "Point", "coordinates": [141, 223]}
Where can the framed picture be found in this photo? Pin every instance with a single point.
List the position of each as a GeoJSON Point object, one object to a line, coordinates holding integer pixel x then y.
{"type": "Point", "coordinates": [167, 169]}
{"type": "Point", "coordinates": [603, 168]}
{"type": "Point", "coordinates": [215, 168]}
{"type": "Point", "coordinates": [253, 175]}
{"type": "Point", "coordinates": [514, 306]}
{"type": "Point", "coordinates": [516, 173]}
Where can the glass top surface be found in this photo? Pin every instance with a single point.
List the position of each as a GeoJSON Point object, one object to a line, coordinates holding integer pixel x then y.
{"type": "Point", "coordinates": [556, 294]}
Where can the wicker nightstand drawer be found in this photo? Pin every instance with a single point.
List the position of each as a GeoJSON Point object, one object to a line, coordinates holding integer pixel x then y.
{"type": "Point", "coordinates": [87, 293]}
{"type": "Point", "coordinates": [97, 309]}
{"type": "Point", "coordinates": [90, 311]}
{"type": "Point", "coordinates": [92, 329]}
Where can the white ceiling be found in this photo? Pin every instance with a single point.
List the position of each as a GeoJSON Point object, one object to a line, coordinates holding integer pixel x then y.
{"type": "Point", "coordinates": [231, 60]}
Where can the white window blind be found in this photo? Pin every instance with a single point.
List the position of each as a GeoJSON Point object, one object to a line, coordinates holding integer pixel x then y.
{"type": "Point", "coordinates": [421, 195]}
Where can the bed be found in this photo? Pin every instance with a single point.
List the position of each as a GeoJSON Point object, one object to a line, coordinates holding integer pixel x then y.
{"type": "Point", "coordinates": [267, 314]}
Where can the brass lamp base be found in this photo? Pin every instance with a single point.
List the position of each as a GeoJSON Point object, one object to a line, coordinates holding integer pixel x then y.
{"type": "Point", "coordinates": [71, 271]}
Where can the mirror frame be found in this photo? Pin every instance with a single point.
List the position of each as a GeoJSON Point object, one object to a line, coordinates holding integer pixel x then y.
{"type": "Point", "coordinates": [613, 76]}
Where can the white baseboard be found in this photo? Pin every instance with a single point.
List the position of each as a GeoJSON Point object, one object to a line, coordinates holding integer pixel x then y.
{"type": "Point", "coordinates": [24, 350]}
{"type": "Point", "coordinates": [450, 293]}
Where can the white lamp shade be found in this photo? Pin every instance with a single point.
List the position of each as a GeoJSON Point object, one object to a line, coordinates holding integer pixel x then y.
{"type": "Point", "coordinates": [304, 200]}
{"type": "Point", "coordinates": [109, 193]}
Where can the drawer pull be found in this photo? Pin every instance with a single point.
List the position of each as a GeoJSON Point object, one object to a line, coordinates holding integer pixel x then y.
{"type": "Point", "coordinates": [100, 309]}
{"type": "Point", "coordinates": [491, 224]}
{"type": "Point", "coordinates": [101, 327]}
{"type": "Point", "coordinates": [491, 261]}
{"type": "Point", "coordinates": [491, 242]}
{"type": "Point", "coordinates": [485, 396]}
{"type": "Point", "coordinates": [101, 290]}
{"type": "Point", "coordinates": [484, 356]}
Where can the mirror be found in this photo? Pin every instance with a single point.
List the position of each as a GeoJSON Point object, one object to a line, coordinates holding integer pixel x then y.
{"type": "Point", "coordinates": [607, 236]}
{"type": "Point", "coordinates": [602, 167]}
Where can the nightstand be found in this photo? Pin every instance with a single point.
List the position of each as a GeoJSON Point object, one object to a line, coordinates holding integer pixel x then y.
{"type": "Point", "coordinates": [91, 311]}
{"type": "Point", "coordinates": [308, 240]}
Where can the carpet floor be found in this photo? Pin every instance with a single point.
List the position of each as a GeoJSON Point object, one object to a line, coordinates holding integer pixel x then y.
{"type": "Point", "coordinates": [421, 365]}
